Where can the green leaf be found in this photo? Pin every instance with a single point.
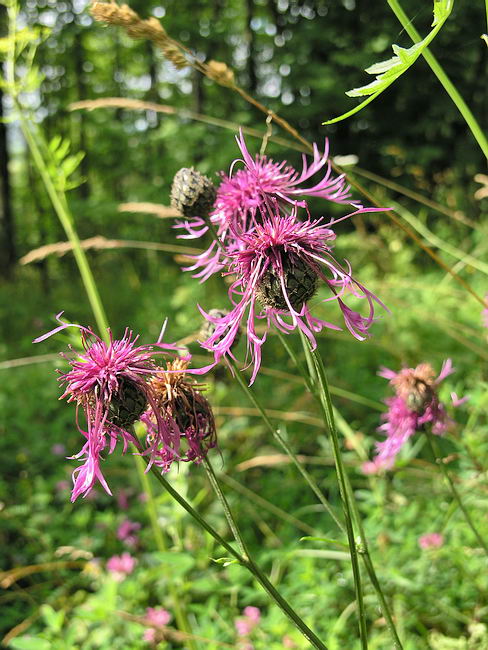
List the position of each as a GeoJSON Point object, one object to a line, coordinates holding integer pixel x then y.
{"type": "Point", "coordinates": [388, 71]}
{"type": "Point", "coordinates": [327, 540]}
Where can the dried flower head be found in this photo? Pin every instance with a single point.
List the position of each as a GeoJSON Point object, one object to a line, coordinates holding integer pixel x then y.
{"type": "Point", "coordinates": [279, 265]}
{"type": "Point", "coordinates": [109, 383]}
{"type": "Point", "coordinates": [186, 413]}
{"type": "Point", "coordinates": [220, 72]}
{"type": "Point", "coordinates": [415, 405]}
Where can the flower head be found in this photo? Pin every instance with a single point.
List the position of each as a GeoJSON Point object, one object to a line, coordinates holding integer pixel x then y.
{"type": "Point", "coordinates": [158, 616]}
{"type": "Point", "coordinates": [414, 405]}
{"type": "Point", "coordinates": [109, 382]}
{"type": "Point", "coordinates": [431, 540]}
{"type": "Point", "coordinates": [121, 565]}
{"type": "Point", "coordinates": [244, 195]}
{"type": "Point", "coordinates": [277, 271]}
{"type": "Point", "coordinates": [126, 532]}
{"type": "Point", "coordinates": [187, 415]}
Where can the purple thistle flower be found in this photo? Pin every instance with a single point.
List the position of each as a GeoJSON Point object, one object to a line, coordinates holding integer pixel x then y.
{"type": "Point", "coordinates": [121, 565]}
{"type": "Point", "coordinates": [109, 382]}
{"type": "Point", "coordinates": [414, 405]}
{"type": "Point", "coordinates": [242, 196]}
{"type": "Point", "coordinates": [279, 265]}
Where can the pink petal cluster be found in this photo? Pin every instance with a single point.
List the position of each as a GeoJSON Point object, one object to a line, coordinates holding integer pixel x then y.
{"type": "Point", "coordinates": [261, 232]}
{"type": "Point", "coordinates": [121, 565]}
{"type": "Point", "coordinates": [415, 405]}
{"type": "Point", "coordinates": [245, 624]}
{"type": "Point", "coordinates": [126, 532]}
{"type": "Point", "coordinates": [158, 616]}
{"type": "Point", "coordinates": [431, 540]}
{"type": "Point", "coordinates": [273, 244]}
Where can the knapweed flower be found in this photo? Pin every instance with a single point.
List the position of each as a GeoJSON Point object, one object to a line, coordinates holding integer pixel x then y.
{"type": "Point", "coordinates": [431, 540]}
{"type": "Point", "coordinates": [158, 616]}
{"type": "Point", "coordinates": [121, 565]}
{"type": "Point", "coordinates": [187, 415]}
{"type": "Point", "coordinates": [109, 382]}
{"type": "Point", "coordinates": [277, 271]}
{"type": "Point", "coordinates": [415, 405]}
{"type": "Point", "coordinates": [242, 196]}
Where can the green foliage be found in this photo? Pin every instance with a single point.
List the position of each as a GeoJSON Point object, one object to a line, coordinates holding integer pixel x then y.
{"type": "Point", "coordinates": [388, 71]}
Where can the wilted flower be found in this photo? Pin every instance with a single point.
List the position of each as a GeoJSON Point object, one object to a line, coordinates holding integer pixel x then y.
{"type": "Point", "coordinates": [431, 540]}
{"type": "Point", "coordinates": [186, 413]}
{"type": "Point", "coordinates": [244, 195]}
{"type": "Point", "coordinates": [121, 565]}
{"type": "Point", "coordinates": [279, 266]}
{"type": "Point", "coordinates": [415, 405]}
{"type": "Point", "coordinates": [126, 532]}
{"type": "Point", "coordinates": [109, 382]}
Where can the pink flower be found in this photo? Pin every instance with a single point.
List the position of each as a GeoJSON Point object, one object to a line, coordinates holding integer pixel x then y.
{"type": "Point", "coordinates": [415, 405]}
{"type": "Point", "coordinates": [108, 381]}
{"type": "Point", "coordinates": [149, 635]}
{"type": "Point", "coordinates": [121, 565]}
{"type": "Point", "coordinates": [122, 499]}
{"type": "Point", "coordinates": [431, 540]}
{"type": "Point", "coordinates": [245, 624]}
{"type": "Point", "coordinates": [253, 614]}
{"type": "Point", "coordinates": [278, 267]}
{"type": "Point", "coordinates": [126, 530]}
{"type": "Point", "coordinates": [243, 196]}
{"type": "Point", "coordinates": [58, 449]}
{"type": "Point", "coordinates": [158, 616]}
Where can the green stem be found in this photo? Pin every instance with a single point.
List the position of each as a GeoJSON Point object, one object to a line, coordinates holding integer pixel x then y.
{"type": "Point", "coordinates": [357, 518]}
{"type": "Point", "coordinates": [225, 505]}
{"type": "Point", "coordinates": [437, 69]}
{"type": "Point", "coordinates": [245, 561]}
{"type": "Point", "coordinates": [308, 477]}
{"type": "Point", "coordinates": [180, 615]}
{"type": "Point", "coordinates": [326, 406]}
{"type": "Point", "coordinates": [437, 455]}
{"type": "Point", "coordinates": [58, 200]}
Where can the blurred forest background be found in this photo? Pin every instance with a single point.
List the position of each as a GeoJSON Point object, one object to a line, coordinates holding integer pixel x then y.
{"type": "Point", "coordinates": [297, 58]}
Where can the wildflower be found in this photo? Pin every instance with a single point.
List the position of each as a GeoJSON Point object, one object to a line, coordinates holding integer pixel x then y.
{"type": "Point", "coordinates": [187, 414]}
{"type": "Point", "coordinates": [243, 195]}
{"type": "Point", "coordinates": [252, 613]}
{"type": "Point", "coordinates": [279, 266]}
{"type": "Point", "coordinates": [245, 624]}
{"type": "Point", "coordinates": [158, 616]}
{"type": "Point", "coordinates": [414, 405]}
{"type": "Point", "coordinates": [126, 532]}
{"type": "Point", "coordinates": [123, 499]}
{"type": "Point", "coordinates": [58, 449]}
{"type": "Point", "coordinates": [109, 382]}
{"type": "Point", "coordinates": [193, 194]}
{"type": "Point", "coordinates": [431, 540]}
{"type": "Point", "coordinates": [121, 565]}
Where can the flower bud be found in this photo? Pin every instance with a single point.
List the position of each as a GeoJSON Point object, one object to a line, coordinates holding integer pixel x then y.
{"type": "Point", "coordinates": [192, 193]}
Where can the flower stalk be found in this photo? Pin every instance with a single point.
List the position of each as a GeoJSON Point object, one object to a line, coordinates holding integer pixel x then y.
{"type": "Point", "coordinates": [457, 497]}
{"type": "Point", "coordinates": [244, 561]}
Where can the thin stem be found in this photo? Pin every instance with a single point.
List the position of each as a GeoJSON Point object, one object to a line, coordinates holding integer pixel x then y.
{"type": "Point", "coordinates": [225, 505]}
{"type": "Point", "coordinates": [447, 84]}
{"type": "Point", "coordinates": [181, 618]}
{"type": "Point", "coordinates": [437, 455]}
{"type": "Point", "coordinates": [364, 552]}
{"type": "Point", "coordinates": [245, 561]}
{"type": "Point", "coordinates": [327, 411]}
{"type": "Point", "coordinates": [274, 432]}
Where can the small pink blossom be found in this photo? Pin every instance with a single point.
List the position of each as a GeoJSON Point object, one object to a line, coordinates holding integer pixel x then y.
{"type": "Point", "coordinates": [431, 540]}
{"type": "Point", "coordinates": [149, 635]}
{"type": "Point", "coordinates": [288, 642]}
{"type": "Point", "coordinates": [126, 530]}
{"type": "Point", "coordinates": [121, 565]}
{"type": "Point", "coordinates": [252, 613]}
{"type": "Point", "coordinates": [243, 626]}
{"type": "Point", "coordinates": [123, 499]}
{"type": "Point", "coordinates": [158, 616]}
